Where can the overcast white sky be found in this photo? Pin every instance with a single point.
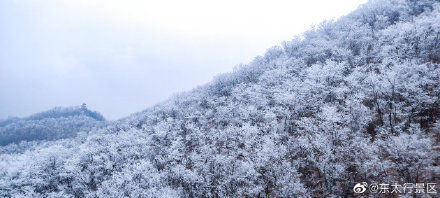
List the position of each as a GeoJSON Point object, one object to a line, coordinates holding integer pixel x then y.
{"type": "Point", "coordinates": [123, 56]}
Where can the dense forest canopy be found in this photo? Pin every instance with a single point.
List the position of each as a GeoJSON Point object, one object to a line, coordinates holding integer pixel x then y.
{"type": "Point", "coordinates": [352, 100]}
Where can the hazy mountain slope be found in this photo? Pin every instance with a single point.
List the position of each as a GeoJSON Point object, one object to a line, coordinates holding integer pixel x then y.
{"type": "Point", "coordinates": [54, 124]}
{"type": "Point", "coordinates": [355, 100]}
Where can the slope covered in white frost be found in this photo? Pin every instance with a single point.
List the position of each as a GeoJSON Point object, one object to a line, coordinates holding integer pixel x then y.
{"type": "Point", "coordinates": [354, 100]}
{"type": "Point", "coordinates": [54, 124]}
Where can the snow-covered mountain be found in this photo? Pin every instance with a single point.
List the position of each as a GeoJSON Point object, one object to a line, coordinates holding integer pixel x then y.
{"type": "Point", "coordinates": [57, 123]}
{"type": "Point", "coordinates": [353, 100]}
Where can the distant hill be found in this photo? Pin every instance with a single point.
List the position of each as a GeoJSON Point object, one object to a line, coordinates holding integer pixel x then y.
{"type": "Point", "coordinates": [53, 124]}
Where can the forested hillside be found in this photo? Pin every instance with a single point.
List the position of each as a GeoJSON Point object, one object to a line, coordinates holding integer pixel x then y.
{"type": "Point", "coordinates": [54, 124]}
{"type": "Point", "coordinates": [353, 100]}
